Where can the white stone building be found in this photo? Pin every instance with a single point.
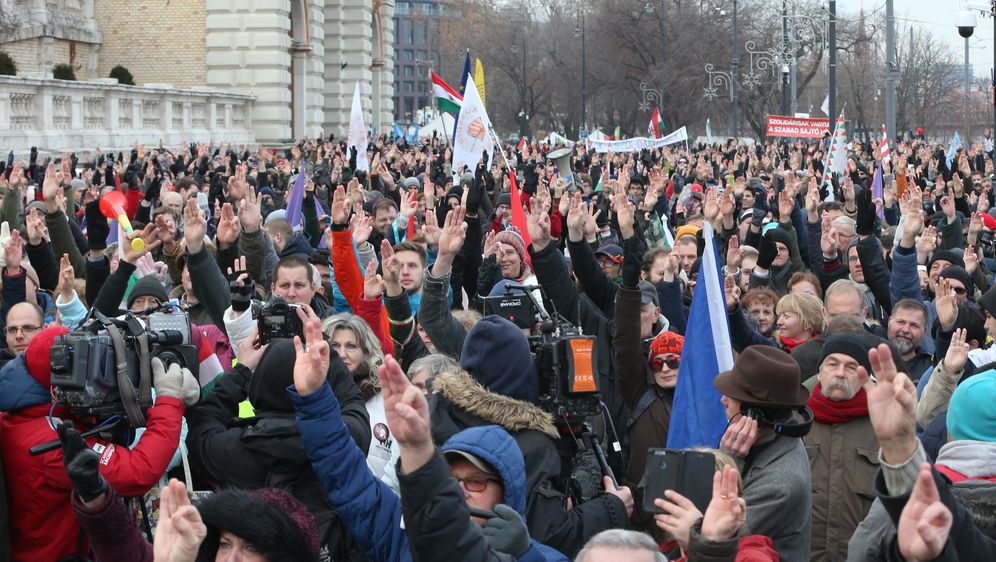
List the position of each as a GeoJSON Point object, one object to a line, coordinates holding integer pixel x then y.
{"type": "Point", "coordinates": [298, 59]}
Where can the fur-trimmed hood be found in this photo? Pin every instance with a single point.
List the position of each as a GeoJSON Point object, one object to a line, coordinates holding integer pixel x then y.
{"type": "Point", "coordinates": [463, 391]}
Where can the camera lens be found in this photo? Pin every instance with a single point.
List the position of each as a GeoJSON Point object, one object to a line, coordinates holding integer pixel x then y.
{"type": "Point", "coordinates": [663, 465]}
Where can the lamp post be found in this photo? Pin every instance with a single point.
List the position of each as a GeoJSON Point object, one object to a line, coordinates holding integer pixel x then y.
{"type": "Point", "coordinates": [966, 27]}
{"type": "Point", "coordinates": [734, 68]}
{"type": "Point", "coordinates": [579, 32]}
{"type": "Point", "coordinates": [523, 116]}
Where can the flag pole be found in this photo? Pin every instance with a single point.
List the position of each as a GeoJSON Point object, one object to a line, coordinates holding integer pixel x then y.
{"type": "Point", "coordinates": [501, 149]}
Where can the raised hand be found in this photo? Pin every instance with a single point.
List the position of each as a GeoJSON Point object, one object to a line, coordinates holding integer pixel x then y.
{"type": "Point", "coordinates": [490, 244]}
{"type": "Point", "coordinates": [180, 530]}
{"type": "Point", "coordinates": [407, 416]}
{"type": "Point", "coordinates": [67, 276]}
{"type": "Point", "coordinates": [538, 225]}
{"type": "Point", "coordinates": [409, 203]}
{"type": "Point", "coordinates": [927, 242]}
{"type": "Point", "coordinates": [194, 227]}
{"type": "Point", "coordinates": [454, 232]}
{"type": "Point", "coordinates": [727, 204]}
{"type": "Point", "coordinates": [948, 205]}
{"type": "Point", "coordinates": [625, 214]}
{"type": "Point", "coordinates": [785, 206]}
{"type": "Point", "coordinates": [829, 242]}
{"type": "Point", "coordinates": [727, 511]}
{"type": "Point", "coordinates": [971, 261]}
{"type": "Point", "coordinates": [731, 293]}
{"type": "Point", "coordinates": [391, 267]}
{"type": "Point", "coordinates": [50, 188]}
{"type": "Point", "coordinates": [946, 303]}
{"type": "Point", "coordinates": [430, 230]}
{"type": "Point", "coordinates": [34, 224]}
{"type": "Point", "coordinates": [311, 363]}
{"type": "Point", "coordinates": [339, 211]}
{"type": "Point", "coordinates": [957, 356]}
{"type": "Point", "coordinates": [710, 208]}
{"type": "Point", "coordinates": [575, 217]}
{"type": "Point", "coordinates": [739, 437]}
{"type": "Point", "coordinates": [14, 253]}
{"type": "Point", "coordinates": [229, 227]}
{"type": "Point", "coordinates": [148, 235]}
{"type": "Point", "coordinates": [925, 522]}
{"type": "Point", "coordinates": [891, 406]}
{"type": "Point", "coordinates": [362, 226]}
{"type": "Point", "coordinates": [734, 254]}
{"type": "Point", "coordinates": [250, 214]}
{"type": "Point", "coordinates": [373, 284]}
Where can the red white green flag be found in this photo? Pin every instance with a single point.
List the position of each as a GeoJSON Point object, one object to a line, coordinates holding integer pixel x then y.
{"type": "Point", "coordinates": [656, 128]}
{"type": "Point", "coordinates": [447, 99]}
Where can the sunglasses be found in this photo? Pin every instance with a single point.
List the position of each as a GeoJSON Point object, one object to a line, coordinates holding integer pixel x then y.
{"type": "Point", "coordinates": [657, 363]}
{"type": "Point", "coordinates": [475, 482]}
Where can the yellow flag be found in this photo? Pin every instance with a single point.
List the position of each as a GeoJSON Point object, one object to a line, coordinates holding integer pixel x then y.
{"type": "Point", "coordinates": [479, 80]}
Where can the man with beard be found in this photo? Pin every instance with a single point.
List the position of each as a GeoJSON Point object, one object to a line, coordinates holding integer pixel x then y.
{"type": "Point", "coordinates": [842, 447]}
{"type": "Point", "coordinates": [907, 324]}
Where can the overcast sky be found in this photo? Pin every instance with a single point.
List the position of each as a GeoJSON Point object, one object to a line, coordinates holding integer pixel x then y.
{"type": "Point", "coordinates": [939, 17]}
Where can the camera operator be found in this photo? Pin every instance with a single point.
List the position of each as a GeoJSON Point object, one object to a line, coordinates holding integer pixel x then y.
{"type": "Point", "coordinates": [148, 294]}
{"type": "Point", "coordinates": [266, 450]}
{"type": "Point", "coordinates": [42, 522]}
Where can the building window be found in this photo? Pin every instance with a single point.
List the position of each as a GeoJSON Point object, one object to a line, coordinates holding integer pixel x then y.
{"type": "Point", "coordinates": [409, 86]}
{"type": "Point", "coordinates": [409, 106]}
{"type": "Point", "coordinates": [403, 8]}
{"type": "Point", "coordinates": [422, 87]}
{"type": "Point", "coordinates": [408, 71]}
{"type": "Point", "coordinates": [408, 55]}
{"type": "Point", "coordinates": [405, 31]}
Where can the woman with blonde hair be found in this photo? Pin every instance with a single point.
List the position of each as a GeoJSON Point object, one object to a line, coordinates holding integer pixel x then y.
{"type": "Point", "coordinates": [360, 349]}
{"type": "Point", "coordinates": [799, 317]}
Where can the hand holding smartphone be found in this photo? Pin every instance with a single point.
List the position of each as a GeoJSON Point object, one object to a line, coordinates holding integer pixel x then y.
{"type": "Point", "coordinates": [685, 471]}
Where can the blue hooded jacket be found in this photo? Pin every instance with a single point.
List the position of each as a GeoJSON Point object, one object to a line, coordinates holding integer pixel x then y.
{"type": "Point", "coordinates": [368, 508]}
{"type": "Point", "coordinates": [18, 389]}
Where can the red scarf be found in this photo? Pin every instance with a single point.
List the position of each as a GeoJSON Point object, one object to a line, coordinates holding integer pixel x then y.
{"type": "Point", "coordinates": [831, 411]}
{"type": "Point", "coordinates": [789, 343]}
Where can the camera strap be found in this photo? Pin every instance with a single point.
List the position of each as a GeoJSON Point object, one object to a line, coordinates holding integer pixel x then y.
{"type": "Point", "coordinates": [128, 394]}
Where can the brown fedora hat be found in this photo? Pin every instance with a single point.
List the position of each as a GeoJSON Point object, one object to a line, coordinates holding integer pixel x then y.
{"type": "Point", "coordinates": [764, 376]}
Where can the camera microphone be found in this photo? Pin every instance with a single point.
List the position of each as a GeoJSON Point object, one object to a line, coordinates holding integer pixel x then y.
{"type": "Point", "coordinates": [166, 337]}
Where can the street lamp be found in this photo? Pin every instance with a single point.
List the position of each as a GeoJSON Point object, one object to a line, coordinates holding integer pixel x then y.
{"type": "Point", "coordinates": [734, 69]}
{"type": "Point", "coordinates": [648, 7]}
{"type": "Point", "coordinates": [966, 27]}
{"type": "Point", "coordinates": [785, 88]}
{"type": "Point", "coordinates": [579, 32]}
{"type": "Point", "coordinates": [523, 116]}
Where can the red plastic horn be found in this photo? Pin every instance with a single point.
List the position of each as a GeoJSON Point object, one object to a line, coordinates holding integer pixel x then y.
{"type": "Point", "coordinates": [112, 206]}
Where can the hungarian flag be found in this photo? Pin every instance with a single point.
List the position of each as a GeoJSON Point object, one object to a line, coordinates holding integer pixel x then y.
{"type": "Point", "coordinates": [447, 99]}
{"type": "Point", "coordinates": [885, 146]}
{"type": "Point", "coordinates": [522, 144]}
{"type": "Point", "coordinates": [656, 127]}
{"type": "Point", "coordinates": [210, 366]}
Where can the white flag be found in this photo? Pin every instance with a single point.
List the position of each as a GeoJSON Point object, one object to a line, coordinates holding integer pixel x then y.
{"type": "Point", "coordinates": [825, 108]}
{"type": "Point", "coordinates": [358, 132]}
{"type": "Point", "coordinates": [473, 131]}
{"type": "Point", "coordinates": [836, 160]}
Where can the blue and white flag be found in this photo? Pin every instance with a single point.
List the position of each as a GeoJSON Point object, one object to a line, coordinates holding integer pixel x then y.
{"type": "Point", "coordinates": [698, 418]}
{"type": "Point", "coordinates": [399, 133]}
{"type": "Point", "coordinates": [412, 137]}
{"type": "Point", "coordinates": [955, 145]}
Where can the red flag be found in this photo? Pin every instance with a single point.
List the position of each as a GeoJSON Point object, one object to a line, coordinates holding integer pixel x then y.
{"type": "Point", "coordinates": [519, 215]}
{"type": "Point", "coordinates": [655, 124]}
{"type": "Point", "coordinates": [411, 228]}
{"type": "Point", "coordinates": [522, 144]}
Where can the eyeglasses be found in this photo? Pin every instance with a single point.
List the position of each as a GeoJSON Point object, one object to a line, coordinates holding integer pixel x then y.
{"type": "Point", "coordinates": [27, 330]}
{"type": "Point", "coordinates": [475, 482]}
{"type": "Point", "coordinates": [657, 363]}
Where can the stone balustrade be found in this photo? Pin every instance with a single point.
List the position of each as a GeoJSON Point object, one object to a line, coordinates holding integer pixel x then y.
{"type": "Point", "coordinates": [59, 115]}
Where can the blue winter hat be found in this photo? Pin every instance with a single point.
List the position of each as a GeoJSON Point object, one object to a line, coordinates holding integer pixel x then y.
{"type": "Point", "coordinates": [496, 354]}
{"type": "Point", "coordinates": [971, 415]}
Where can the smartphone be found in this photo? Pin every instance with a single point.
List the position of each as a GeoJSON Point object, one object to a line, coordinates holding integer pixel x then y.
{"type": "Point", "coordinates": [685, 471]}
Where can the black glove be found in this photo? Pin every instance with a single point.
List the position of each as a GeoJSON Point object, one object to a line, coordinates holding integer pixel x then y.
{"type": "Point", "coordinates": [352, 158]}
{"type": "Point", "coordinates": [760, 207]}
{"type": "Point", "coordinates": [633, 250]}
{"type": "Point", "coordinates": [507, 533]}
{"type": "Point", "coordinates": [82, 463]}
{"type": "Point", "coordinates": [866, 213]}
{"type": "Point", "coordinates": [154, 188]}
{"type": "Point", "coordinates": [97, 228]}
{"type": "Point", "coordinates": [34, 155]}
{"type": "Point", "coordinates": [767, 252]}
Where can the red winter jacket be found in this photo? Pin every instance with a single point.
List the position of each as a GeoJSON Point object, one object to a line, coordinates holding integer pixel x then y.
{"type": "Point", "coordinates": [43, 526]}
{"type": "Point", "coordinates": [752, 548]}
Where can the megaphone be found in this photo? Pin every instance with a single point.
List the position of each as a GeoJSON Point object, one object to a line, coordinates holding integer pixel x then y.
{"type": "Point", "coordinates": [561, 158]}
{"type": "Point", "coordinates": [112, 206]}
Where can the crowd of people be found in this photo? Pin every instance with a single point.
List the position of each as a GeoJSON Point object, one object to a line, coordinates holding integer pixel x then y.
{"type": "Point", "coordinates": [402, 421]}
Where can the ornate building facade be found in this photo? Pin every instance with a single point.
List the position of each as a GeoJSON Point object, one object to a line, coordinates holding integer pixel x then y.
{"type": "Point", "coordinates": [298, 58]}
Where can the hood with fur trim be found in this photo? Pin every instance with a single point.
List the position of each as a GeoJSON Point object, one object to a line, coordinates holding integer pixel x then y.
{"type": "Point", "coordinates": [513, 415]}
{"type": "Point", "coordinates": [279, 526]}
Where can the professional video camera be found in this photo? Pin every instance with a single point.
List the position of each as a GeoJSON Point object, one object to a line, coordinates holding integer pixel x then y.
{"type": "Point", "coordinates": [278, 319]}
{"type": "Point", "coordinates": [104, 368]}
{"type": "Point", "coordinates": [564, 357]}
